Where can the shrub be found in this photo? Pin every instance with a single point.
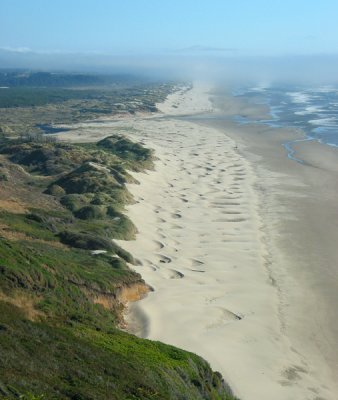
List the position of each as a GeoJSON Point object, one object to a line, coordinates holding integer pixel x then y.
{"type": "Point", "coordinates": [91, 212]}
{"type": "Point", "coordinates": [55, 190]}
{"type": "Point", "coordinates": [85, 241]}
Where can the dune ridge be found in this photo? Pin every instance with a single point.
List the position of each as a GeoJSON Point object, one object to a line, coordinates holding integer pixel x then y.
{"type": "Point", "coordinates": [204, 250]}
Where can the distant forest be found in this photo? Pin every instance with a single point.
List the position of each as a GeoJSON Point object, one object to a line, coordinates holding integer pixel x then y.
{"type": "Point", "coordinates": [22, 88]}
{"type": "Point", "coordinates": [22, 78]}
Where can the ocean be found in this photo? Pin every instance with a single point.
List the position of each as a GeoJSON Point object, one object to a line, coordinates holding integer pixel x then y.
{"type": "Point", "coordinates": [313, 110]}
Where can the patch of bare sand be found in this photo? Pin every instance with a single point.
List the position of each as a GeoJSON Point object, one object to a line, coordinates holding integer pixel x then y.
{"type": "Point", "coordinates": [13, 206]}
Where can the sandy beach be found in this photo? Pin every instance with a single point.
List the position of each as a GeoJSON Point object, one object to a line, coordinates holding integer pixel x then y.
{"type": "Point", "coordinates": [226, 242]}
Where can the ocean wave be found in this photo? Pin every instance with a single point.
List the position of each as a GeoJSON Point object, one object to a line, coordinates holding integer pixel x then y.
{"type": "Point", "coordinates": [260, 88]}
{"type": "Point", "coordinates": [310, 110]}
{"type": "Point", "coordinates": [331, 121]}
{"type": "Point", "coordinates": [299, 97]}
{"type": "Point", "coordinates": [325, 89]}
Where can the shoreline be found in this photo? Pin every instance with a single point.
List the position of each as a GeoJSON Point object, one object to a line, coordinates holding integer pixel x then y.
{"type": "Point", "coordinates": [299, 216]}
{"type": "Point", "coordinates": [243, 319]}
{"type": "Point", "coordinates": [204, 243]}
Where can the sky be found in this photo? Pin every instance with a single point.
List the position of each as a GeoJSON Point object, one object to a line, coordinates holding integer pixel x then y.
{"type": "Point", "coordinates": [261, 40]}
{"type": "Point", "coordinates": [228, 27]}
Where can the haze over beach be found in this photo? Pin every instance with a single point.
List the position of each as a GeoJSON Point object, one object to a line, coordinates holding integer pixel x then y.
{"type": "Point", "coordinates": [168, 177]}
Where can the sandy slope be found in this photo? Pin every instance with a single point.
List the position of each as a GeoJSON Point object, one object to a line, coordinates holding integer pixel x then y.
{"type": "Point", "coordinates": [205, 251]}
{"type": "Point", "coordinates": [187, 101]}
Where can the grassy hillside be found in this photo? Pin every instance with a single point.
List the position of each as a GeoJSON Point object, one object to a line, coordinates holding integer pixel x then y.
{"type": "Point", "coordinates": [63, 281]}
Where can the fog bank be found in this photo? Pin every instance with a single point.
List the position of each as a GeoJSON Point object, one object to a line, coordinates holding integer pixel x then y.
{"type": "Point", "coordinates": [201, 65]}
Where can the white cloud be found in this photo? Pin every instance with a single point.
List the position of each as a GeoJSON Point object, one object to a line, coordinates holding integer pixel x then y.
{"type": "Point", "coordinates": [16, 49]}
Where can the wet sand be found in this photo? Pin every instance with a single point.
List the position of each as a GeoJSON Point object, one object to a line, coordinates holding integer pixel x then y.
{"type": "Point", "coordinates": [299, 214]}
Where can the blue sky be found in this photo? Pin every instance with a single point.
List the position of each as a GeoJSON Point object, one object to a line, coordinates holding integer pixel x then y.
{"type": "Point", "coordinates": [234, 27]}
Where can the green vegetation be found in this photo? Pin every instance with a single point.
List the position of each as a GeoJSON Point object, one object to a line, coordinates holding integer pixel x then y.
{"type": "Point", "coordinates": [92, 194]}
{"type": "Point", "coordinates": [68, 363]}
{"type": "Point", "coordinates": [128, 151]}
{"type": "Point", "coordinates": [28, 97]}
{"type": "Point", "coordinates": [61, 302]}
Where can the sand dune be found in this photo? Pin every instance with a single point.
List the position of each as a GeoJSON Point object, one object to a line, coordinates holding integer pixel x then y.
{"type": "Point", "coordinates": [203, 248]}
{"type": "Point", "coordinates": [216, 297]}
